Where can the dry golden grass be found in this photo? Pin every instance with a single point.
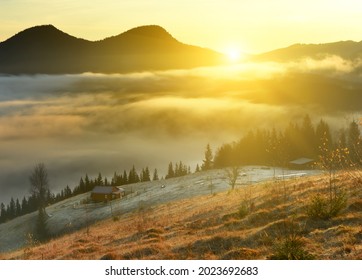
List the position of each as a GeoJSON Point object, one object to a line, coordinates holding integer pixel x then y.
{"type": "Point", "coordinates": [246, 223]}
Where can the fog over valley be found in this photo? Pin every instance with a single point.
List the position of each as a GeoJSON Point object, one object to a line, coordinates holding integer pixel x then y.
{"type": "Point", "coordinates": [90, 123]}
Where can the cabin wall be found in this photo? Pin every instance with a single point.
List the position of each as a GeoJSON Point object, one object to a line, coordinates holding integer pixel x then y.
{"type": "Point", "coordinates": [104, 197]}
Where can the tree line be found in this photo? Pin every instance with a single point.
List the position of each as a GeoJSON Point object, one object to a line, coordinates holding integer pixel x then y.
{"type": "Point", "coordinates": [298, 140]}
{"type": "Point", "coordinates": [29, 204]}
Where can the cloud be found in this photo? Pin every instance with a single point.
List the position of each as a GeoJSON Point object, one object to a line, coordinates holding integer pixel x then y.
{"type": "Point", "coordinates": [93, 123]}
{"type": "Point", "coordinates": [172, 103]}
{"type": "Point", "coordinates": [331, 65]}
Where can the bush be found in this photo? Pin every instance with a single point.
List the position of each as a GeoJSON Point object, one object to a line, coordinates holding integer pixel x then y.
{"type": "Point", "coordinates": [243, 210]}
{"type": "Point", "coordinates": [291, 248]}
{"type": "Point", "coordinates": [290, 244]}
{"type": "Point", "coordinates": [322, 207]}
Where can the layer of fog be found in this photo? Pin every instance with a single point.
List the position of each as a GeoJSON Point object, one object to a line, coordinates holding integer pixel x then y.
{"type": "Point", "coordinates": [90, 123]}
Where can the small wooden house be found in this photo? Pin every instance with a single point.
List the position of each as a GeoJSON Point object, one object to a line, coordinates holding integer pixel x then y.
{"type": "Point", "coordinates": [106, 193]}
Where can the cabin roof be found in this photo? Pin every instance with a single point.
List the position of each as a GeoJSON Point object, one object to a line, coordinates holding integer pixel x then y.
{"type": "Point", "coordinates": [102, 190]}
{"type": "Point", "coordinates": [301, 161]}
{"type": "Point", "coordinates": [107, 190]}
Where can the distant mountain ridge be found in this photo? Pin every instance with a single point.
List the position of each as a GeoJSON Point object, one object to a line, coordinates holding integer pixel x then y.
{"type": "Point", "coordinates": [46, 49]}
{"type": "Point", "coordinates": [349, 50]}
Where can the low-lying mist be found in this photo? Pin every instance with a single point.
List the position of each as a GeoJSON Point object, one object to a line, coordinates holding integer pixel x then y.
{"type": "Point", "coordinates": [90, 123]}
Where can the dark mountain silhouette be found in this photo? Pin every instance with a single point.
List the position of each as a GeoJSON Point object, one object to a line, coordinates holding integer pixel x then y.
{"type": "Point", "coordinates": [346, 49]}
{"type": "Point", "coordinates": [45, 49]}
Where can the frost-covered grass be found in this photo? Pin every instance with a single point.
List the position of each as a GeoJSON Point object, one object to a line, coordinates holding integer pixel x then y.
{"type": "Point", "coordinates": [189, 220]}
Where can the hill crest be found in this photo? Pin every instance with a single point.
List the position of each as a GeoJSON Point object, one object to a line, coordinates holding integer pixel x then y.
{"type": "Point", "coordinates": [345, 49]}
{"type": "Point", "coordinates": [45, 49]}
{"type": "Point", "coordinates": [40, 33]}
{"type": "Point", "coordinates": [154, 31]}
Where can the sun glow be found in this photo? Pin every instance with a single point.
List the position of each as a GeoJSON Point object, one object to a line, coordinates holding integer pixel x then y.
{"type": "Point", "coordinates": [233, 54]}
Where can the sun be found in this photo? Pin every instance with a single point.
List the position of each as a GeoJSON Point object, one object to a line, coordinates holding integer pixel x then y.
{"type": "Point", "coordinates": [233, 54]}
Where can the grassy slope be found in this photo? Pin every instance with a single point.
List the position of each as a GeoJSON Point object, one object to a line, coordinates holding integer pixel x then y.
{"type": "Point", "coordinates": [208, 227]}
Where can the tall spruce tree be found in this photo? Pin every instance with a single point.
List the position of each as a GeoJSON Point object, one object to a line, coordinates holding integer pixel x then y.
{"type": "Point", "coordinates": [12, 209]}
{"type": "Point", "coordinates": [18, 208]}
{"type": "Point", "coordinates": [87, 183]}
{"type": "Point", "coordinates": [2, 213]}
{"type": "Point", "coordinates": [24, 206]}
{"type": "Point", "coordinates": [308, 138]}
{"type": "Point", "coordinates": [133, 177]}
{"type": "Point", "coordinates": [99, 181]}
{"type": "Point", "coordinates": [125, 179]}
{"type": "Point", "coordinates": [146, 177]}
{"type": "Point", "coordinates": [208, 160]}
{"type": "Point", "coordinates": [155, 175]}
{"type": "Point", "coordinates": [82, 186]}
{"type": "Point", "coordinates": [323, 134]}
{"type": "Point", "coordinates": [197, 169]}
{"type": "Point", "coordinates": [170, 171]}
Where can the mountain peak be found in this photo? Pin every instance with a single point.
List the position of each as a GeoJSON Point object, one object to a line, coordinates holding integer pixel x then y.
{"type": "Point", "coordinates": [44, 27]}
{"type": "Point", "coordinates": [41, 34]}
{"type": "Point", "coordinates": [37, 31]}
{"type": "Point", "coordinates": [142, 36]}
{"type": "Point", "coordinates": [154, 31]}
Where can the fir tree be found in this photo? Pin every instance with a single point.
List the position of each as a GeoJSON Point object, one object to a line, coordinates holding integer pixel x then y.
{"type": "Point", "coordinates": [197, 169]}
{"type": "Point", "coordinates": [87, 183]}
{"type": "Point", "coordinates": [42, 232]}
{"type": "Point", "coordinates": [133, 177]}
{"type": "Point", "coordinates": [17, 208]}
{"type": "Point", "coordinates": [155, 175]}
{"type": "Point", "coordinates": [67, 192]}
{"type": "Point", "coordinates": [2, 213]}
{"type": "Point", "coordinates": [99, 180]}
{"type": "Point", "coordinates": [124, 178]}
{"type": "Point", "coordinates": [323, 134]}
{"type": "Point", "coordinates": [24, 206]}
{"type": "Point", "coordinates": [146, 177]}
{"type": "Point", "coordinates": [224, 157]}
{"type": "Point", "coordinates": [170, 171]}
{"type": "Point", "coordinates": [208, 160]}
{"type": "Point", "coordinates": [12, 209]}
{"type": "Point", "coordinates": [308, 138]}
{"type": "Point", "coordinates": [116, 180]}
{"type": "Point", "coordinates": [82, 186]}
{"type": "Point", "coordinates": [342, 139]}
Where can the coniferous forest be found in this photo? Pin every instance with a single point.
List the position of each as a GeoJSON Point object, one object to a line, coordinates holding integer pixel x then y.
{"type": "Point", "coordinates": [275, 147]}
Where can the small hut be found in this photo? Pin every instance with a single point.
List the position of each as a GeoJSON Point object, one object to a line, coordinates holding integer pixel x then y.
{"type": "Point", "coordinates": [106, 193]}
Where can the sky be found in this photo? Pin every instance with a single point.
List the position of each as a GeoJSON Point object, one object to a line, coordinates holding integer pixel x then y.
{"type": "Point", "coordinates": [250, 26]}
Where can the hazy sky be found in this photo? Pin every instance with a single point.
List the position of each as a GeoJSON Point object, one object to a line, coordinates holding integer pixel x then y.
{"type": "Point", "coordinates": [248, 25]}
